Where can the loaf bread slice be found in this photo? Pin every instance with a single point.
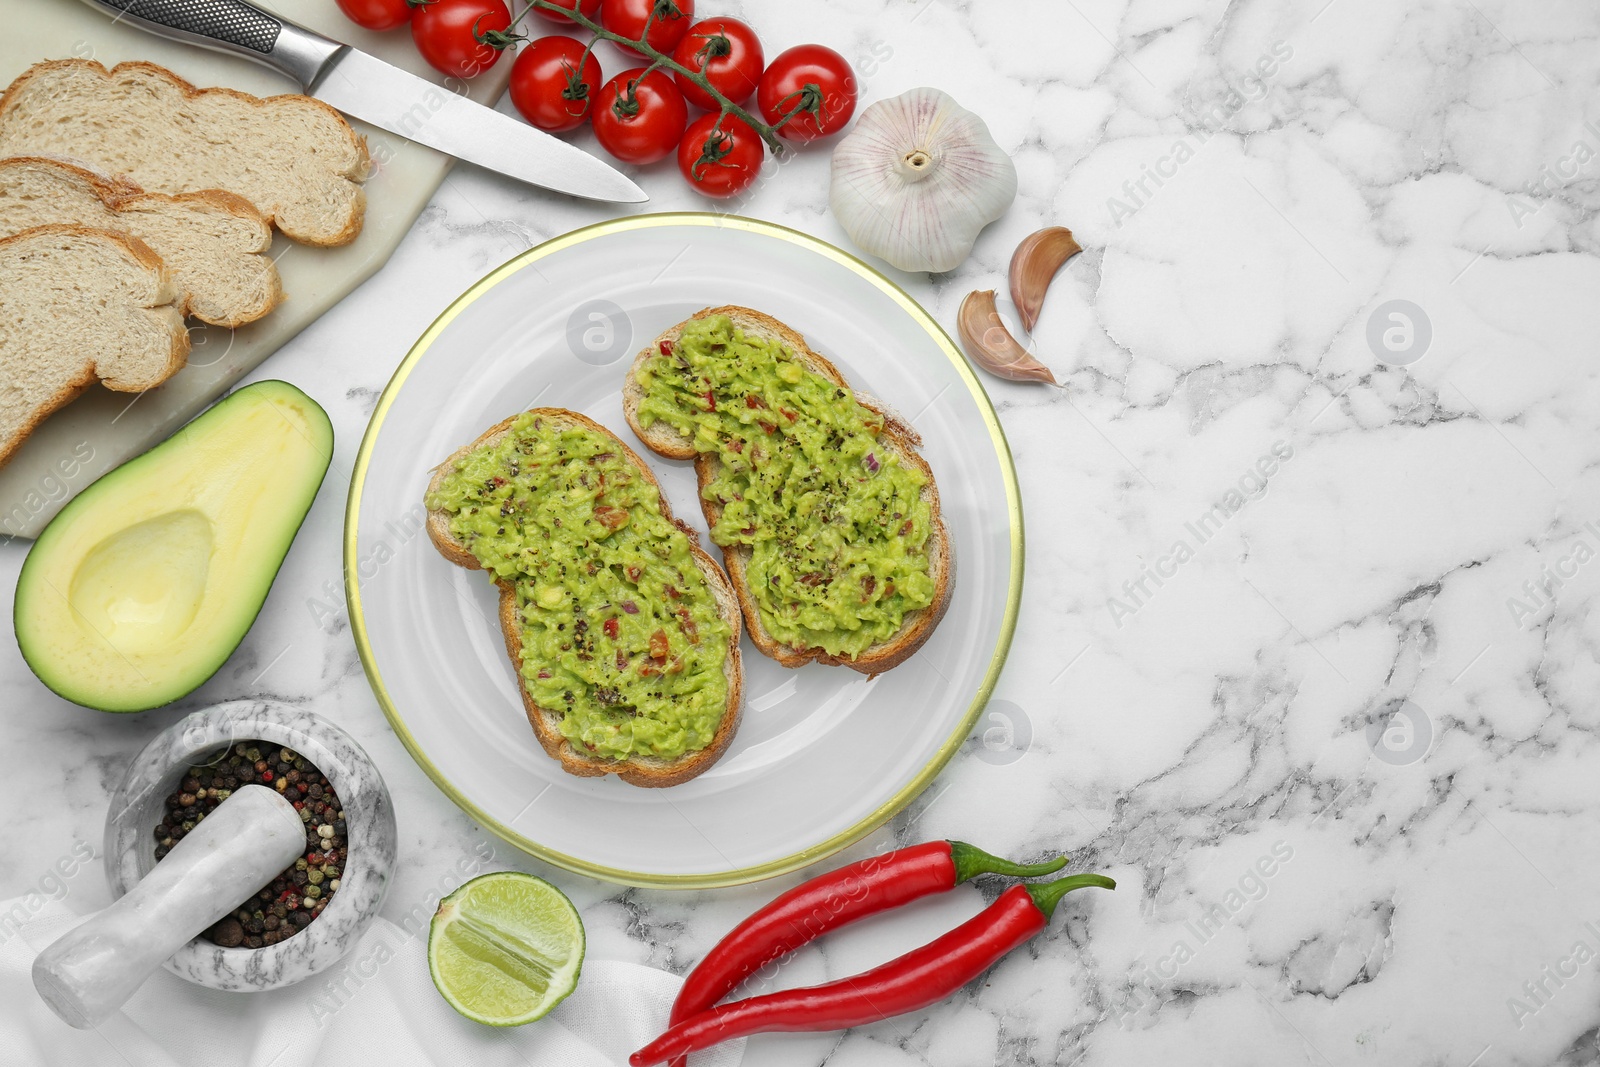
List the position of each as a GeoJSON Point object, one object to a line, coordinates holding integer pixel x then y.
{"type": "Point", "coordinates": [77, 304]}
{"type": "Point", "coordinates": [546, 722]}
{"type": "Point", "coordinates": [295, 159]}
{"type": "Point", "coordinates": [897, 437]}
{"type": "Point", "coordinates": [212, 242]}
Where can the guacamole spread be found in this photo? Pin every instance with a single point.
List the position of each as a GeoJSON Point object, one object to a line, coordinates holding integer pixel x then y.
{"type": "Point", "coordinates": [620, 632]}
{"type": "Point", "coordinates": [835, 523]}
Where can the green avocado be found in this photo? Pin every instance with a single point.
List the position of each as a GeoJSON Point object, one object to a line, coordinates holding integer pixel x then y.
{"type": "Point", "coordinates": [620, 630]}
{"type": "Point", "coordinates": [143, 585]}
{"type": "Point", "coordinates": [836, 525]}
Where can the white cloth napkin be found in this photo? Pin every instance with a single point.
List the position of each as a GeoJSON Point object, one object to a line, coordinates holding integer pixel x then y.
{"type": "Point", "coordinates": [378, 1007]}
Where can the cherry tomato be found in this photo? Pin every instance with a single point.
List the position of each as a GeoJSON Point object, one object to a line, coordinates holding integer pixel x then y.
{"type": "Point", "coordinates": [720, 162]}
{"type": "Point", "coordinates": [553, 83]}
{"type": "Point", "coordinates": [670, 22]}
{"type": "Point", "coordinates": [376, 14]}
{"type": "Point", "coordinates": [448, 32]}
{"type": "Point", "coordinates": [587, 7]}
{"type": "Point", "coordinates": [728, 53]}
{"type": "Point", "coordinates": [816, 80]}
{"type": "Point", "coordinates": [639, 117]}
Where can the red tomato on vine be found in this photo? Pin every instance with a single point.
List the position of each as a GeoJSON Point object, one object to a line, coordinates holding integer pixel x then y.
{"type": "Point", "coordinates": [669, 20]}
{"type": "Point", "coordinates": [639, 117]}
{"type": "Point", "coordinates": [815, 85]}
{"type": "Point", "coordinates": [462, 38]}
{"type": "Point", "coordinates": [728, 53]}
{"type": "Point", "coordinates": [720, 161]}
{"type": "Point", "coordinates": [376, 14]}
{"type": "Point", "coordinates": [553, 83]}
{"type": "Point", "coordinates": [586, 7]}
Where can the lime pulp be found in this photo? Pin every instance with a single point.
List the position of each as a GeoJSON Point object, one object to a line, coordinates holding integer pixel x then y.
{"type": "Point", "coordinates": [505, 948]}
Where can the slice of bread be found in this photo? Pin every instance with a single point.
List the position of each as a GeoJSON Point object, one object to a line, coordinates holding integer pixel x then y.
{"type": "Point", "coordinates": [292, 157]}
{"type": "Point", "coordinates": [898, 437]}
{"type": "Point", "coordinates": [636, 770]}
{"type": "Point", "coordinates": [211, 241]}
{"type": "Point", "coordinates": [77, 304]}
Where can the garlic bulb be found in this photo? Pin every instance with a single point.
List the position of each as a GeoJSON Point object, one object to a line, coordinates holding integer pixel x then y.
{"type": "Point", "coordinates": [917, 179]}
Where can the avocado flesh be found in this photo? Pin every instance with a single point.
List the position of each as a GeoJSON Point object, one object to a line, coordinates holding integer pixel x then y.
{"type": "Point", "coordinates": [142, 587]}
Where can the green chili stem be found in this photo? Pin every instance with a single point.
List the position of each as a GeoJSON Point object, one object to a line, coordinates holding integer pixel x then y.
{"type": "Point", "coordinates": [1046, 895]}
{"type": "Point", "coordinates": [971, 861]}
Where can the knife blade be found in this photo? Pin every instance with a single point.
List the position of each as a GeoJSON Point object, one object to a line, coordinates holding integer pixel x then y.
{"type": "Point", "coordinates": [418, 110]}
{"type": "Point", "coordinates": [367, 88]}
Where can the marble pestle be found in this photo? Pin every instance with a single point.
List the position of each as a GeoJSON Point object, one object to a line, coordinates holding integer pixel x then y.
{"type": "Point", "coordinates": [90, 971]}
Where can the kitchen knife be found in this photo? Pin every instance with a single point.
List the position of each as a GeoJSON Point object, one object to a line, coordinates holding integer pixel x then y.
{"type": "Point", "coordinates": [380, 93]}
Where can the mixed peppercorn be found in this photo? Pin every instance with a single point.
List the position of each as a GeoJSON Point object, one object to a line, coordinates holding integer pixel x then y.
{"type": "Point", "coordinates": [301, 892]}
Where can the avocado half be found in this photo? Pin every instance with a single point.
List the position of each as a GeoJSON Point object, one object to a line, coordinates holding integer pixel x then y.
{"type": "Point", "coordinates": [143, 585]}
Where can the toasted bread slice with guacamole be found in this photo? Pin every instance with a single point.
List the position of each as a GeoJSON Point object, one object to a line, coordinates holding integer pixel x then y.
{"type": "Point", "coordinates": [636, 673]}
{"type": "Point", "coordinates": [836, 582]}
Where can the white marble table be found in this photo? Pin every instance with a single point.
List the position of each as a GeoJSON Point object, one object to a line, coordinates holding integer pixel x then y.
{"type": "Point", "coordinates": [1336, 740]}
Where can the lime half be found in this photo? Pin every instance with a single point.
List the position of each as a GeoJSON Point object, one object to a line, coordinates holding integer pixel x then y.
{"type": "Point", "coordinates": [505, 948]}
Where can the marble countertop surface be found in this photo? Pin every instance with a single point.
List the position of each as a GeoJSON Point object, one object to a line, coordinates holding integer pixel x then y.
{"type": "Point", "coordinates": [1308, 631]}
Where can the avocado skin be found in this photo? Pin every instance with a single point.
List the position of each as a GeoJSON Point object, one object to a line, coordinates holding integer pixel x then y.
{"type": "Point", "coordinates": [267, 443]}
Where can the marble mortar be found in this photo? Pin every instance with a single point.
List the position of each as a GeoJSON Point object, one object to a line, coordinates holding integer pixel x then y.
{"type": "Point", "coordinates": [137, 805]}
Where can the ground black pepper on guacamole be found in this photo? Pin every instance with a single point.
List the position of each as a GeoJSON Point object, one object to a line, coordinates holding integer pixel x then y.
{"type": "Point", "coordinates": [836, 524]}
{"type": "Point", "coordinates": [620, 631]}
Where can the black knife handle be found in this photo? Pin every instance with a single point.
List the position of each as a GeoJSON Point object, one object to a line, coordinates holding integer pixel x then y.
{"type": "Point", "coordinates": [230, 26]}
{"type": "Point", "coordinates": [224, 21]}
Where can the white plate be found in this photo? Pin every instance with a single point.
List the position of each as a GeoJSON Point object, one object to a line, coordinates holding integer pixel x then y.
{"type": "Point", "coordinates": [824, 754]}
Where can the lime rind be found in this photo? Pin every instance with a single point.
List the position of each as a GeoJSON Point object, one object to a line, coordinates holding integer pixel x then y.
{"type": "Point", "coordinates": [505, 948]}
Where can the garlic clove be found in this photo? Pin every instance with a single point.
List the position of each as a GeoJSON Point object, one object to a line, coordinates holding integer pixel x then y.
{"type": "Point", "coordinates": [1034, 264]}
{"type": "Point", "coordinates": [991, 346]}
{"type": "Point", "coordinates": [917, 179]}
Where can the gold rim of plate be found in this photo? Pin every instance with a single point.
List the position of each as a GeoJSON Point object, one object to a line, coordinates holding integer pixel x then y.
{"type": "Point", "coordinates": [885, 811]}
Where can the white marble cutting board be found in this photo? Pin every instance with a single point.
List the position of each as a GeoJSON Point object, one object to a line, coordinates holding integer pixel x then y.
{"type": "Point", "coordinates": [102, 428]}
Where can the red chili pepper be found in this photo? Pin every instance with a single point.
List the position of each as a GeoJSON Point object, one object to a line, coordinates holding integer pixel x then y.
{"type": "Point", "coordinates": [921, 977]}
{"type": "Point", "coordinates": [837, 899]}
